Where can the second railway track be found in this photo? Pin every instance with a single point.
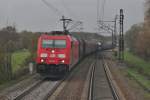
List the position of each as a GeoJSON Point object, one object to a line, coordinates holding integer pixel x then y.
{"type": "Point", "coordinates": [116, 92]}
{"type": "Point", "coordinates": [103, 85]}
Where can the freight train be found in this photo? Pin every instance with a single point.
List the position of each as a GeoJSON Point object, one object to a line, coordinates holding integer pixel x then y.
{"type": "Point", "coordinates": [58, 52]}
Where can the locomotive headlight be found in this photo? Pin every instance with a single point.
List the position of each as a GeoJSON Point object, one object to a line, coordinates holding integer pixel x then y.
{"type": "Point", "coordinates": [42, 60]}
{"type": "Point", "coordinates": [44, 55]}
{"type": "Point", "coordinates": [61, 56]}
{"type": "Point", "coordinates": [63, 61]}
{"type": "Point", "coordinates": [53, 51]}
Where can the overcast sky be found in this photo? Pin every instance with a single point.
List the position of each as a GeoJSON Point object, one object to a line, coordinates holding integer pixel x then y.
{"type": "Point", "coordinates": [34, 15]}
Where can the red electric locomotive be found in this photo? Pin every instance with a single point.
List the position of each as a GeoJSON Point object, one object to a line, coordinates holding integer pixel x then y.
{"type": "Point", "coordinates": [56, 54]}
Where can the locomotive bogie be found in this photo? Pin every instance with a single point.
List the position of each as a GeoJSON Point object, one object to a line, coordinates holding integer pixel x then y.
{"type": "Point", "coordinates": [52, 70]}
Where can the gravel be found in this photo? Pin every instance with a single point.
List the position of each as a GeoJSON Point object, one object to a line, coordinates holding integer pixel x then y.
{"type": "Point", "coordinates": [101, 88]}
{"type": "Point", "coordinates": [131, 90]}
{"type": "Point", "coordinates": [74, 86]}
{"type": "Point", "coordinates": [15, 90]}
{"type": "Point", "coordinates": [42, 91]}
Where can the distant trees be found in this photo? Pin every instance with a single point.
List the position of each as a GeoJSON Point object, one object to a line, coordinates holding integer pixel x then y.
{"type": "Point", "coordinates": [12, 41]}
{"type": "Point", "coordinates": [138, 37]}
{"type": "Point", "coordinates": [29, 42]}
{"type": "Point", "coordinates": [132, 35]}
{"type": "Point", "coordinates": [138, 40]}
{"type": "Point", "coordinates": [8, 39]}
{"type": "Point", "coordinates": [143, 40]}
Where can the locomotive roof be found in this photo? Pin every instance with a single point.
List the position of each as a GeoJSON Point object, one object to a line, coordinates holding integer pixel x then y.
{"type": "Point", "coordinates": [58, 33]}
{"type": "Point", "coordinates": [46, 36]}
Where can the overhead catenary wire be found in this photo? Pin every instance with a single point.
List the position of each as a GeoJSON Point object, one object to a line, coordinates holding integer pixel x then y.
{"type": "Point", "coordinates": [98, 10]}
{"type": "Point", "coordinates": [76, 23]}
{"type": "Point", "coordinates": [103, 9]}
{"type": "Point", "coordinates": [49, 5]}
{"type": "Point", "coordinates": [59, 13]}
{"type": "Point", "coordinates": [77, 29]}
{"type": "Point", "coordinates": [68, 10]}
{"type": "Point", "coordinates": [98, 14]}
{"type": "Point", "coordinates": [101, 14]}
{"type": "Point", "coordinates": [54, 9]}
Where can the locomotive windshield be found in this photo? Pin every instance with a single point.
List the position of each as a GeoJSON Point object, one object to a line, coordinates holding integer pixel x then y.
{"type": "Point", "coordinates": [54, 43]}
{"type": "Point", "coordinates": [47, 43]}
{"type": "Point", "coordinates": [60, 43]}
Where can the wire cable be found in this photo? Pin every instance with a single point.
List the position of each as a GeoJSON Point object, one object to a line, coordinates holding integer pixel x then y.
{"type": "Point", "coordinates": [103, 9]}
{"type": "Point", "coordinates": [68, 10]}
{"type": "Point", "coordinates": [55, 10]}
{"type": "Point", "coordinates": [98, 10]}
{"type": "Point", "coordinates": [75, 25]}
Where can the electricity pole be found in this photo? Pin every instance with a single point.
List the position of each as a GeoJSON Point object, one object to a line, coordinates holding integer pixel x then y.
{"type": "Point", "coordinates": [115, 30]}
{"type": "Point", "coordinates": [8, 61]}
{"type": "Point", "coordinates": [121, 36]}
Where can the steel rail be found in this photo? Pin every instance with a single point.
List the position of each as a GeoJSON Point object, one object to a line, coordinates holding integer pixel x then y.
{"type": "Point", "coordinates": [90, 93]}
{"type": "Point", "coordinates": [57, 88]}
{"type": "Point", "coordinates": [54, 89]}
{"type": "Point", "coordinates": [27, 91]}
{"type": "Point", "coordinates": [117, 94]}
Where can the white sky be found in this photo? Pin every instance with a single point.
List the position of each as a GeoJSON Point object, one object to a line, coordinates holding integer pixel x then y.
{"type": "Point", "coordinates": [33, 15]}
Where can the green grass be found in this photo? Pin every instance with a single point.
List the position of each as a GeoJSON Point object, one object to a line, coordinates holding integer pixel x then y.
{"type": "Point", "coordinates": [138, 69]}
{"type": "Point", "coordinates": [140, 78]}
{"type": "Point", "coordinates": [18, 59]}
{"type": "Point", "coordinates": [138, 64]}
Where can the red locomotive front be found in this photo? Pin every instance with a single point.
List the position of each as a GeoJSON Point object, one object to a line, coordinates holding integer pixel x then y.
{"type": "Point", "coordinates": [56, 54]}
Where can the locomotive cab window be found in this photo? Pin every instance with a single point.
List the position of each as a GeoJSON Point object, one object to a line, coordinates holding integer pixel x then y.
{"type": "Point", "coordinates": [47, 43]}
{"type": "Point", "coordinates": [60, 43]}
{"type": "Point", "coordinates": [54, 43]}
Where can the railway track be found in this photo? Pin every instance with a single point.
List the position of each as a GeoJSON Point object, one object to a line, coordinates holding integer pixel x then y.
{"type": "Point", "coordinates": [90, 93]}
{"type": "Point", "coordinates": [102, 85]}
{"type": "Point", "coordinates": [11, 92]}
{"type": "Point", "coordinates": [75, 87]}
{"type": "Point", "coordinates": [19, 97]}
{"type": "Point", "coordinates": [114, 88]}
{"type": "Point", "coordinates": [90, 80]}
{"type": "Point", "coordinates": [92, 87]}
{"type": "Point", "coordinates": [41, 90]}
{"type": "Point", "coordinates": [117, 93]}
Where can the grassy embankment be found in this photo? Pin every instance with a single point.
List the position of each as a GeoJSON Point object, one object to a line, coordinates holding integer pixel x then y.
{"type": "Point", "coordinates": [139, 69]}
{"type": "Point", "coordinates": [18, 59]}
